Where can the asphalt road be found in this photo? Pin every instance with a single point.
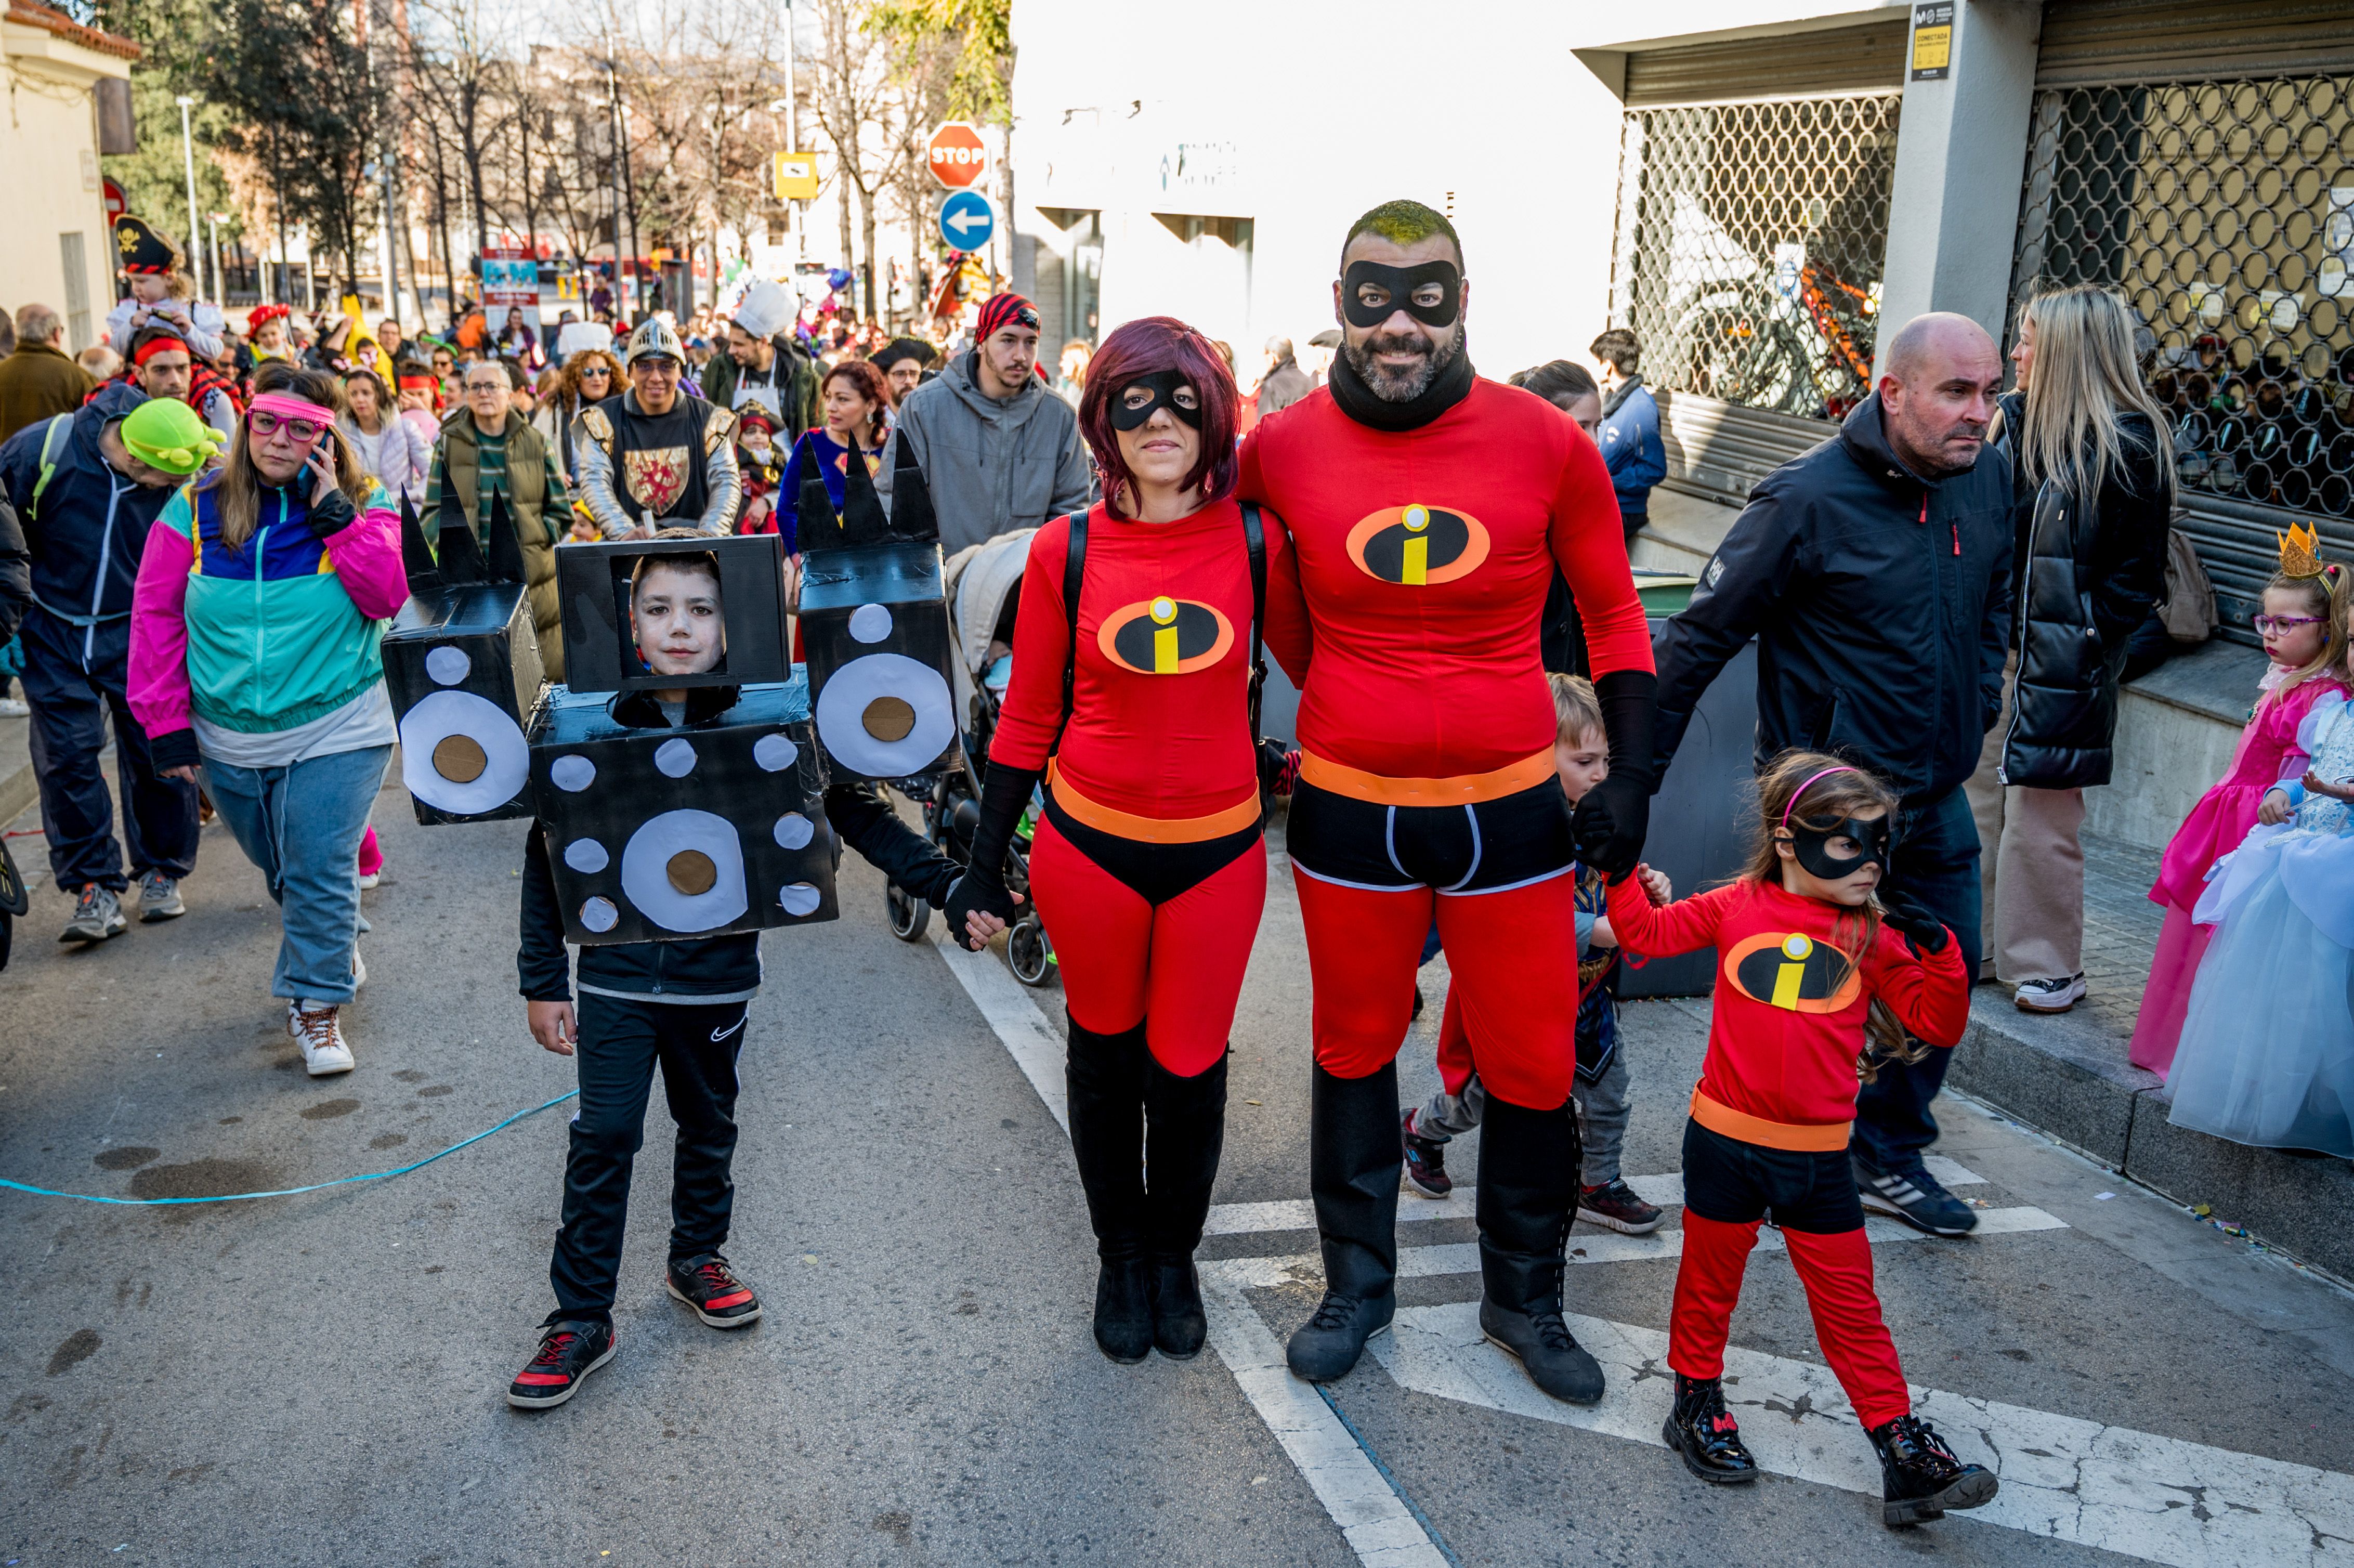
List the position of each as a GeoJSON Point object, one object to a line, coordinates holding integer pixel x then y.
{"type": "Point", "coordinates": [318, 1378]}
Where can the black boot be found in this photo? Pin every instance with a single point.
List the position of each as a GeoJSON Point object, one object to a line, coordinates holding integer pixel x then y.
{"type": "Point", "coordinates": [1105, 1081]}
{"type": "Point", "coordinates": [1920, 1477]}
{"type": "Point", "coordinates": [1184, 1129]}
{"type": "Point", "coordinates": [1353, 1155]}
{"type": "Point", "coordinates": [1704, 1433]}
{"type": "Point", "coordinates": [1528, 1190]}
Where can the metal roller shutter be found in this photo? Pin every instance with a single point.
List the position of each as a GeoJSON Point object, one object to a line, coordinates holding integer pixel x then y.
{"type": "Point", "coordinates": [1721, 452]}
{"type": "Point", "coordinates": [2091, 43]}
{"type": "Point", "coordinates": [1795, 65]}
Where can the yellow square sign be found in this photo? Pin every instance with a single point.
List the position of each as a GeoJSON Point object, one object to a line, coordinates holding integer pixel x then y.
{"type": "Point", "coordinates": [797, 177]}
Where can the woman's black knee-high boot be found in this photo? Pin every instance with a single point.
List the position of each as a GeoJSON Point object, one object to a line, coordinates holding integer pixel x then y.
{"type": "Point", "coordinates": [1105, 1081]}
{"type": "Point", "coordinates": [1185, 1128]}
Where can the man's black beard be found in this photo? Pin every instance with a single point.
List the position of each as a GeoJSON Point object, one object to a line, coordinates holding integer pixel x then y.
{"type": "Point", "coordinates": [1390, 385]}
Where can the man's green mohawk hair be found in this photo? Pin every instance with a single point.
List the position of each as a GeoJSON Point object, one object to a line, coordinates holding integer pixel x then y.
{"type": "Point", "coordinates": [1404, 223]}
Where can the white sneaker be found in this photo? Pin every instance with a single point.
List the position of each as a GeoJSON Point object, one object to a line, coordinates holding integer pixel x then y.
{"type": "Point", "coordinates": [2049, 995]}
{"type": "Point", "coordinates": [321, 1036]}
{"type": "Point", "coordinates": [359, 968]}
{"type": "Point", "coordinates": [369, 879]}
{"type": "Point", "coordinates": [14, 707]}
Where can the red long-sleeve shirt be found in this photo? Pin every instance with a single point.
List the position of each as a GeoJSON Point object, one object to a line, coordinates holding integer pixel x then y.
{"type": "Point", "coordinates": [1159, 725]}
{"type": "Point", "coordinates": [1784, 1026]}
{"type": "Point", "coordinates": [1420, 561]}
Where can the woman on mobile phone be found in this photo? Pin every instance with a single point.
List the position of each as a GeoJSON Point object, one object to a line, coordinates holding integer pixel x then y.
{"type": "Point", "coordinates": [293, 735]}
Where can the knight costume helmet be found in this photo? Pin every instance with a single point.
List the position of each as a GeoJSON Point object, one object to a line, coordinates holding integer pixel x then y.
{"type": "Point", "coordinates": [655, 337]}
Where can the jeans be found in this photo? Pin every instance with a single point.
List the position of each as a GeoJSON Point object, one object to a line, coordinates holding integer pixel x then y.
{"type": "Point", "coordinates": [1603, 1107]}
{"type": "Point", "coordinates": [1936, 857]}
{"type": "Point", "coordinates": [70, 699]}
{"type": "Point", "coordinates": [620, 1042]}
{"type": "Point", "coordinates": [301, 825]}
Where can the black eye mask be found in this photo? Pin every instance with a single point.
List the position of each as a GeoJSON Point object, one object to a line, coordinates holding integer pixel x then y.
{"type": "Point", "coordinates": [1401, 282]}
{"type": "Point", "coordinates": [1811, 844]}
{"type": "Point", "coordinates": [1164, 385]}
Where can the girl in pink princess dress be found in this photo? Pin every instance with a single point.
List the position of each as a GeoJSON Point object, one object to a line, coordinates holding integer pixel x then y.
{"type": "Point", "coordinates": [2304, 629]}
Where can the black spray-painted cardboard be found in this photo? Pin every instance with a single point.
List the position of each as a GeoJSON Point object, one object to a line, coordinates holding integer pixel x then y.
{"type": "Point", "coordinates": [600, 649]}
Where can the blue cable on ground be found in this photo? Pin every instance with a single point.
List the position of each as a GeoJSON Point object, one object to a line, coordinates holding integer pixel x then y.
{"type": "Point", "coordinates": [1397, 1485]}
{"type": "Point", "coordinates": [291, 1191]}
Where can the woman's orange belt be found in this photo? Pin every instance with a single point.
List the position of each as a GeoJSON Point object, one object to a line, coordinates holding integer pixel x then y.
{"type": "Point", "coordinates": [1242, 813]}
{"type": "Point", "coordinates": [1464, 789]}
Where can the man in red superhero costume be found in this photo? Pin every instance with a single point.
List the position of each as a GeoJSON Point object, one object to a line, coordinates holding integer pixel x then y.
{"type": "Point", "coordinates": [1427, 510]}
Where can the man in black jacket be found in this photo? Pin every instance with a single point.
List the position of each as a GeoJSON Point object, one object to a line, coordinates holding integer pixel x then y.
{"type": "Point", "coordinates": [1875, 573]}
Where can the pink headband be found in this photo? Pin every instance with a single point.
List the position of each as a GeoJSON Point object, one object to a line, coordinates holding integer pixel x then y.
{"type": "Point", "coordinates": [1841, 767]}
{"type": "Point", "coordinates": [287, 407]}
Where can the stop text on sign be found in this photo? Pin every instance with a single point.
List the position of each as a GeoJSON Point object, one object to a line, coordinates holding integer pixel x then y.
{"type": "Point", "coordinates": [957, 156]}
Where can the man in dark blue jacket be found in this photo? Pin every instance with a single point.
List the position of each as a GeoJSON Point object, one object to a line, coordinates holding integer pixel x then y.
{"type": "Point", "coordinates": [1875, 573]}
{"type": "Point", "coordinates": [86, 505]}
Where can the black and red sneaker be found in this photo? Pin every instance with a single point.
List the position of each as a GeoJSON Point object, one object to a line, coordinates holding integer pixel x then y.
{"type": "Point", "coordinates": [569, 1352]}
{"type": "Point", "coordinates": [1426, 1161]}
{"type": "Point", "coordinates": [711, 1287]}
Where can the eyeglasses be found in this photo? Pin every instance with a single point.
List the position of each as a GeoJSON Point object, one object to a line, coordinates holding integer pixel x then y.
{"type": "Point", "coordinates": [498, 386]}
{"type": "Point", "coordinates": [598, 371]}
{"type": "Point", "coordinates": [2269, 623]}
{"type": "Point", "coordinates": [300, 432]}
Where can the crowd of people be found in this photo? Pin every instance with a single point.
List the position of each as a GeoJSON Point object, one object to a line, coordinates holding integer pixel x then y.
{"type": "Point", "coordinates": [1942, 597]}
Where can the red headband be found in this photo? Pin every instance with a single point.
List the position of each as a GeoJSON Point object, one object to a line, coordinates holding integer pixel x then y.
{"type": "Point", "coordinates": [160, 343]}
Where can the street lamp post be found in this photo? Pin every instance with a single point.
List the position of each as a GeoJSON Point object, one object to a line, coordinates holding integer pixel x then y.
{"type": "Point", "coordinates": [220, 285]}
{"type": "Point", "coordinates": [188, 158]}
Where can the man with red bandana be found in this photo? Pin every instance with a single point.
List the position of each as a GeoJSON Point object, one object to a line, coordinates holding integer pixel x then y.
{"type": "Point", "coordinates": [1427, 510]}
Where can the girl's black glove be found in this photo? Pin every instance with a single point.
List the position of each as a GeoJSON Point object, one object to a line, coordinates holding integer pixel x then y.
{"type": "Point", "coordinates": [1924, 931]}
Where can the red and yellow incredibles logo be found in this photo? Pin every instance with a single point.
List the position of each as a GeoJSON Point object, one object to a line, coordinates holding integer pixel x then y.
{"type": "Point", "coordinates": [1166, 636]}
{"type": "Point", "coordinates": [1418, 545]}
{"type": "Point", "coordinates": [1793, 971]}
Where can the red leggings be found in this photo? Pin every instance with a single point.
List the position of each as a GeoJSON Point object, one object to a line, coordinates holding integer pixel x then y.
{"type": "Point", "coordinates": [1177, 966]}
{"type": "Point", "coordinates": [1512, 953]}
{"type": "Point", "coordinates": [1835, 1269]}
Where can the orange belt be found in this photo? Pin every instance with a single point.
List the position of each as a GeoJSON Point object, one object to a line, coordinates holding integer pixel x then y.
{"type": "Point", "coordinates": [1242, 813]}
{"type": "Point", "coordinates": [1464, 789]}
{"type": "Point", "coordinates": [1810, 1138]}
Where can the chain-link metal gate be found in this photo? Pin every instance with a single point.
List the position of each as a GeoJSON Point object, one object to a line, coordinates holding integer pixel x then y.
{"type": "Point", "coordinates": [1750, 239]}
{"type": "Point", "coordinates": [2224, 212]}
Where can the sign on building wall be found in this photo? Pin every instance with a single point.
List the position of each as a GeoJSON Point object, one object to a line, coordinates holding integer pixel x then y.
{"type": "Point", "coordinates": [1932, 41]}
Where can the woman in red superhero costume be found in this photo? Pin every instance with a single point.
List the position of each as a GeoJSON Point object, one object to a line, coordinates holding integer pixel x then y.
{"type": "Point", "coordinates": [1427, 510]}
{"type": "Point", "coordinates": [1147, 867]}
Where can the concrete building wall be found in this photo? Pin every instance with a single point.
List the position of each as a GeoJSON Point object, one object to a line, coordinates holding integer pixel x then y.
{"type": "Point", "coordinates": [49, 144]}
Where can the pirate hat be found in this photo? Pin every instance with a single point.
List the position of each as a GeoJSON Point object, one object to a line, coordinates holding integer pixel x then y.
{"type": "Point", "coordinates": [139, 249]}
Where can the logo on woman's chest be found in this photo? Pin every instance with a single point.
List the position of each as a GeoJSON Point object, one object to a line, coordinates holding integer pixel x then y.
{"type": "Point", "coordinates": [1417, 545]}
{"type": "Point", "coordinates": [1166, 636]}
{"type": "Point", "coordinates": [1793, 971]}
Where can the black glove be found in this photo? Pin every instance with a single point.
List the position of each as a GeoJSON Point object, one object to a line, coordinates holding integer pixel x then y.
{"type": "Point", "coordinates": [1608, 825]}
{"type": "Point", "coordinates": [331, 513]}
{"type": "Point", "coordinates": [972, 892]}
{"type": "Point", "coordinates": [1901, 909]}
{"type": "Point", "coordinates": [1003, 794]}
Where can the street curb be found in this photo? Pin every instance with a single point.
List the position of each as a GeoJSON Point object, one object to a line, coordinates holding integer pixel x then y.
{"type": "Point", "coordinates": [2066, 1078]}
{"type": "Point", "coordinates": [18, 789]}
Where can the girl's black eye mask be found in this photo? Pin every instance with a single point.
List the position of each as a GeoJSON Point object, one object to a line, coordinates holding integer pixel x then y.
{"type": "Point", "coordinates": [1812, 846]}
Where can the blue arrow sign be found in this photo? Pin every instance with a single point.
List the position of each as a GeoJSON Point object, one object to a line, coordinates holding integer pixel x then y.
{"type": "Point", "coordinates": [966, 220]}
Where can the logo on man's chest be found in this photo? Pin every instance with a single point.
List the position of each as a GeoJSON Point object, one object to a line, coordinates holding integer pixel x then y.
{"type": "Point", "coordinates": [1166, 636]}
{"type": "Point", "coordinates": [657, 476]}
{"type": "Point", "coordinates": [1793, 971]}
{"type": "Point", "coordinates": [1418, 545]}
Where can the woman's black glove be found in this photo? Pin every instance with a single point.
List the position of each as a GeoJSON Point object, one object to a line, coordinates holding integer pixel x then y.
{"type": "Point", "coordinates": [1003, 795]}
{"type": "Point", "coordinates": [1907, 913]}
{"type": "Point", "coordinates": [1608, 825]}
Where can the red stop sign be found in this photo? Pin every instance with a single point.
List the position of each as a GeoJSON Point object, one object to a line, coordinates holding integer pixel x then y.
{"type": "Point", "coordinates": [956, 155]}
{"type": "Point", "coordinates": [115, 205]}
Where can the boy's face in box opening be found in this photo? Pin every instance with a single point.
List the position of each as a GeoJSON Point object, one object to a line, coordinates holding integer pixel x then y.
{"type": "Point", "coordinates": [676, 613]}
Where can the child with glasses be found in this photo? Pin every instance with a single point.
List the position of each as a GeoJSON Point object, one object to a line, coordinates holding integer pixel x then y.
{"type": "Point", "coordinates": [2303, 623]}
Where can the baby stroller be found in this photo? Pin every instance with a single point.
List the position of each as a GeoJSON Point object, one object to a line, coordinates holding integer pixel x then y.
{"type": "Point", "coordinates": [983, 585]}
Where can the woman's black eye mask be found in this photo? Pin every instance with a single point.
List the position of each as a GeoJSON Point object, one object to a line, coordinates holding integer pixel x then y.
{"type": "Point", "coordinates": [1812, 846]}
{"type": "Point", "coordinates": [1401, 282]}
{"type": "Point", "coordinates": [1164, 385]}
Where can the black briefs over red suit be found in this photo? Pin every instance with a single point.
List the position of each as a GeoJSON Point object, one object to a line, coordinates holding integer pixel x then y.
{"type": "Point", "coordinates": [1407, 611]}
{"type": "Point", "coordinates": [1147, 868]}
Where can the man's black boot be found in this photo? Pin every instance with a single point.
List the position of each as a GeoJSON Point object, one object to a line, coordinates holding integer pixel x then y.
{"type": "Point", "coordinates": [1704, 1433]}
{"type": "Point", "coordinates": [1353, 1155]}
{"type": "Point", "coordinates": [1528, 1190]}
{"type": "Point", "coordinates": [1184, 1129]}
{"type": "Point", "coordinates": [1921, 1477]}
{"type": "Point", "coordinates": [1105, 1082]}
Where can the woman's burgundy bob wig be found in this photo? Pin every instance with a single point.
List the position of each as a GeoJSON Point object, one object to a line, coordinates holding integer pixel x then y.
{"type": "Point", "coordinates": [1144, 347]}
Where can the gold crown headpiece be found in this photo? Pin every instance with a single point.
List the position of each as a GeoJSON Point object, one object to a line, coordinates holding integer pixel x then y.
{"type": "Point", "coordinates": [2300, 552]}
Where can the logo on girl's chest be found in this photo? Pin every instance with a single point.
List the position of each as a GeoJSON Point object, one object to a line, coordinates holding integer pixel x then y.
{"type": "Point", "coordinates": [1792, 971]}
{"type": "Point", "coordinates": [1166, 636]}
{"type": "Point", "coordinates": [1418, 545]}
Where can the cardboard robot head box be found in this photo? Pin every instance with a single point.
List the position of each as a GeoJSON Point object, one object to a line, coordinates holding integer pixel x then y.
{"type": "Point", "coordinates": [461, 664]}
{"type": "Point", "coordinates": [656, 835]}
{"type": "Point", "coordinates": [874, 624]}
{"type": "Point", "coordinates": [604, 646]}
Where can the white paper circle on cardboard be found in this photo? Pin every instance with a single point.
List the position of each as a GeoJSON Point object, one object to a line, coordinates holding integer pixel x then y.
{"type": "Point", "coordinates": [842, 713]}
{"type": "Point", "coordinates": [645, 871]}
{"type": "Point", "coordinates": [794, 831]}
{"type": "Point", "coordinates": [598, 915]}
{"type": "Point", "coordinates": [870, 623]}
{"type": "Point", "coordinates": [675, 758]}
{"type": "Point", "coordinates": [798, 898]}
{"type": "Point", "coordinates": [573, 773]}
{"type": "Point", "coordinates": [585, 856]}
{"type": "Point", "coordinates": [775, 753]}
{"type": "Point", "coordinates": [507, 758]}
{"type": "Point", "coordinates": [448, 665]}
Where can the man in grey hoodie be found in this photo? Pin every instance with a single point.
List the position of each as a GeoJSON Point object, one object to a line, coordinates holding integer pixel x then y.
{"type": "Point", "coordinates": [997, 449]}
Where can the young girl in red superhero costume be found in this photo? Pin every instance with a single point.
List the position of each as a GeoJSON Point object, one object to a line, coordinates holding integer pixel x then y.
{"type": "Point", "coordinates": [1427, 510]}
{"type": "Point", "coordinates": [1148, 865]}
{"type": "Point", "coordinates": [1809, 966]}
